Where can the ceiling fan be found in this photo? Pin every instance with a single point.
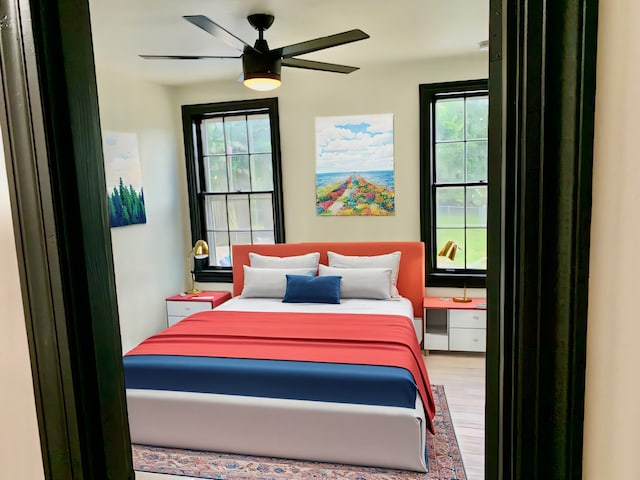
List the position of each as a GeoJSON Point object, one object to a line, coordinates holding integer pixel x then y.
{"type": "Point", "coordinates": [260, 64]}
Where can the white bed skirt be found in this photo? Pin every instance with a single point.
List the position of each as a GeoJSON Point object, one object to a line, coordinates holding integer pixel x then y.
{"type": "Point", "coordinates": [390, 437]}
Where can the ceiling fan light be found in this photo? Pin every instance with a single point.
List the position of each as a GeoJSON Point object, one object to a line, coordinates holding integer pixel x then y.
{"type": "Point", "coordinates": [262, 82]}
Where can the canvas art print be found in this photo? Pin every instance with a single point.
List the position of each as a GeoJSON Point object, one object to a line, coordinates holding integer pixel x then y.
{"type": "Point", "coordinates": [354, 165]}
{"type": "Point", "coordinates": [124, 179]}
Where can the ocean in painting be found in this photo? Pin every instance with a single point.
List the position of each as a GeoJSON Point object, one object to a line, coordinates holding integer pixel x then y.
{"type": "Point", "coordinates": [379, 177]}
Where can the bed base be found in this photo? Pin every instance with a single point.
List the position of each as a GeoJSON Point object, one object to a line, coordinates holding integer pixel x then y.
{"type": "Point", "coordinates": [380, 436]}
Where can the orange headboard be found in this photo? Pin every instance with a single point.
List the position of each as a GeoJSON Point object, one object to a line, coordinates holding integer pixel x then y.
{"type": "Point", "coordinates": [410, 277]}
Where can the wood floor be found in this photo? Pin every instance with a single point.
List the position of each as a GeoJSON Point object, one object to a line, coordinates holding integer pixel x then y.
{"type": "Point", "coordinates": [463, 378]}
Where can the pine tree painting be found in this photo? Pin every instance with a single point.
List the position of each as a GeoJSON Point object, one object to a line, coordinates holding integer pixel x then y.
{"type": "Point", "coordinates": [124, 179]}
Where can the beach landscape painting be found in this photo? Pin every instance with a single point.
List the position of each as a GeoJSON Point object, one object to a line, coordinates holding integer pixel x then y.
{"type": "Point", "coordinates": [354, 165]}
{"type": "Point", "coordinates": [124, 179]}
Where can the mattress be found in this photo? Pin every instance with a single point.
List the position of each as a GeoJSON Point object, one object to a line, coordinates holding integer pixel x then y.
{"type": "Point", "coordinates": [317, 381]}
{"type": "Point", "coordinates": [395, 306]}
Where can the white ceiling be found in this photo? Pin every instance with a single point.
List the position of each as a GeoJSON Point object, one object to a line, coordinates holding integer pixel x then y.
{"type": "Point", "coordinates": [400, 30]}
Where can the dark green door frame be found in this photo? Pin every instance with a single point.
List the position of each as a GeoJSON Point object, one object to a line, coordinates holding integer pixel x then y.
{"type": "Point", "coordinates": [542, 95]}
{"type": "Point", "coordinates": [53, 150]}
{"type": "Point", "coordinates": [542, 85]}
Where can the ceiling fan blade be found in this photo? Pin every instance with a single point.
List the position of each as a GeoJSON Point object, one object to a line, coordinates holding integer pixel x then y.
{"type": "Point", "coordinates": [322, 43]}
{"type": "Point", "coordinates": [311, 65]}
{"type": "Point", "coordinates": [182, 57]}
{"type": "Point", "coordinates": [212, 28]}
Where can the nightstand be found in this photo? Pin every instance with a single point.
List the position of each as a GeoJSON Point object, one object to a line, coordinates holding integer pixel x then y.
{"type": "Point", "coordinates": [183, 305]}
{"type": "Point", "coordinates": [455, 326]}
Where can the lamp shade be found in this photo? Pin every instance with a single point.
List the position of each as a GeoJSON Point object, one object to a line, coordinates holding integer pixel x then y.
{"type": "Point", "coordinates": [262, 82]}
{"type": "Point", "coordinates": [449, 250]}
{"type": "Point", "coordinates": [201, 250]}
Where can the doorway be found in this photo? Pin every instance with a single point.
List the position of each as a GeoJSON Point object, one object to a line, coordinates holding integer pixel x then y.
{"type": "Point", "coordinates": [84, 382]}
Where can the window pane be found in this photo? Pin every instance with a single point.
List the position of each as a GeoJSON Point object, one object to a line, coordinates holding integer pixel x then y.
{"type": "Point", "coordinates": [216, 211]}
{"type": "Point", "coordinates": [263, 237]}
{"type": "Point", "coordinates": [477, 161]}
{"type": "Point", "coordinates": [239, 174]}
{"type": "Point", "coordinates": [235, 129]}
{"type": "Point", "coordinates": [238, 212]}
{"type": "Point", "coordinates": [477, 117]}
{"type": "Point", "coordinates": [259, 133]}
{"type": "Point", "coordinates": [477, 248]}
{"type": "Point", "coordinates": [219, 252]}
{"type": "Point", "coordinates": [261, 212]}
{"type": "Point", "coordinates": [261, 172]}
{"type": "Point", "coordinates": [443, 235]}
{"type": "Point", "coordinates": [449, 119]}
{"type": "Point", "coordinates": [450, 162]}
{"type": "Point", "coordinates": [240, 238]}
{"type": "Point", "coordinates": [212, 136]}
{"type": "Point", "coordinates": [476, 206]}
{"type": "Point", "coordinates": [216, 174]}
{"type": "Point", "coordinates": [450, 207]}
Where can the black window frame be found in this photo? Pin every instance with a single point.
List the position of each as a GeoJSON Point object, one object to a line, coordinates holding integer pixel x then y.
{"type": "Point", "coordinates": [192, 115]}
{"type": "Point", "coordinates": [429, 93]}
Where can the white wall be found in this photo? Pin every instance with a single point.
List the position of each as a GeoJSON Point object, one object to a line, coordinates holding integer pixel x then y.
{"type": "Point", "coordinates": [20, 455]}
{"type": "Point", "coordinates": [612, 410]}
{"type": "Point", "coordinates": [304, 95]}
{"type": "Point", "coordinates": [149, 259]}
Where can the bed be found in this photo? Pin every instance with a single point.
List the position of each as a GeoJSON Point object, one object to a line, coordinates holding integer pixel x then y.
{"type": "Point", "coordinates": [342, 383]}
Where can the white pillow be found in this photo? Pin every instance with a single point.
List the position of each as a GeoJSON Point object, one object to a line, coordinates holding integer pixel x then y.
{"type": "Point", "coordinates": [269, 282]}
{"type": "Point", "coordinates": [374, 283]}
{"type": "Point", "coordinates": [309, 260]}
{"type": "Point", "coordinates": [387, 260]}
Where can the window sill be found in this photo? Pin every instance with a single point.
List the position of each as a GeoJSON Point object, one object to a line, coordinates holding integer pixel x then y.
{"type": "Point", "coordinates": [222, 276]}
{"type": "Point", "coordinates": [457, 280]}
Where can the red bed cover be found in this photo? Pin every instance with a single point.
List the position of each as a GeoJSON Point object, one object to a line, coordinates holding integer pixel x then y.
{"type": "Point", "coordinates": [387, 340]}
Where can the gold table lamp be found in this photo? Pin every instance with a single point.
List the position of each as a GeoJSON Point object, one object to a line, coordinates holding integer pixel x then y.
{"type": "Point", "coordinates": [200, 251]}
{"type": "Point", "coordinates": [449, 251]}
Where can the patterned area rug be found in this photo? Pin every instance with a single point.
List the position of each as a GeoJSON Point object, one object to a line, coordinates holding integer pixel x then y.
{"type": "Point", "coordinates": [445, 462]}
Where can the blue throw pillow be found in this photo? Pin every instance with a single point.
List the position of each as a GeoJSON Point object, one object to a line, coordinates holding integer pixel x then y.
{"type": "Point", "coordinates": [307, 289]}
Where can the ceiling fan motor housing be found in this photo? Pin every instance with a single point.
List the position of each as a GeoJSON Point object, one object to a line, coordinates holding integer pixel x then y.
{"type": "Point", "coordinates": [261, 65]}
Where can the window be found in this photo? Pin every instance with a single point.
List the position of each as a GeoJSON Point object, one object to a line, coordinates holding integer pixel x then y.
{"type": "Point", "coordinates": [454, 127]}
{"type": "Point", "coordinates": [234, 178]}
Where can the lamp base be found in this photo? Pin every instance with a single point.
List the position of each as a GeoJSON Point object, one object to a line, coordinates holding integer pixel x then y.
{"type": "Point", "coordinates": [193, 291]}
{"type": "Point", "coordinates": [462, 299]}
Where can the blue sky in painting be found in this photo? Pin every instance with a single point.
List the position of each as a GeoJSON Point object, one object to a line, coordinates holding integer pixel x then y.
{"type": "Point", "coordinates": [121, 159]}
{"type": "Point", "coordinates": [354, 143]}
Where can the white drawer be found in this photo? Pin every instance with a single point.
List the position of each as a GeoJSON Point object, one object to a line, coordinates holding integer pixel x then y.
{"type": "Point", "coordinates": [436, 341]}
{"type": "Point", "coordinates": [172, 320]}
{"type": "Point", "coordinates": [468, 339]}
{"type": "Point", "coordinates": [184, 308]}
{"type": "Point", "coordinates": [417, 324]}
{"type": "Point", "coordinates": [468, 318]}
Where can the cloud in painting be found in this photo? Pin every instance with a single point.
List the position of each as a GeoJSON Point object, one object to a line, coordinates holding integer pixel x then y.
{"type": "Point", "coordinates": [354, 143]}
{"type": "Point", "coordinates": [121, 159]}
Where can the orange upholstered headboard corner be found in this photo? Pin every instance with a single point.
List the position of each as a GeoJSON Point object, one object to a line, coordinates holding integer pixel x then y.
{"type": "Point", "coordinates": [411, 276]}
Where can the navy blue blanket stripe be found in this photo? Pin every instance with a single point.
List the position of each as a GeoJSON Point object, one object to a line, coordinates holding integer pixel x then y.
{"type": "Point", "coordinates": [325, 382]}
